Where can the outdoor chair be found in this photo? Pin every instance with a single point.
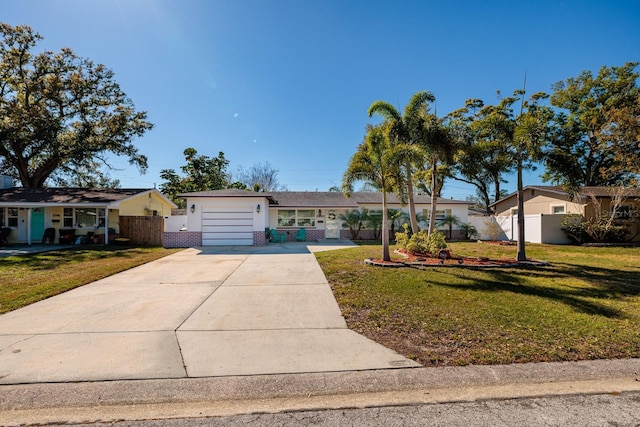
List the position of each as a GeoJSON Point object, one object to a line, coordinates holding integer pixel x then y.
{"type": "Point", "coordinates": [301, 235]}
{"type": "Point", "coordinates": [4, 235]}
{"type": "Point", "coordinates": [49, 235]}
{"type": "Point", "coordinates": [277, 237]}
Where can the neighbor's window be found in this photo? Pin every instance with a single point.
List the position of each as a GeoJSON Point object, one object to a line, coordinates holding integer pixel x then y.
{"type": "Point", "coordinates": [86, 217]}
{"type": "Point", "coordinates": [557, 210]}
{"type": "Point", "coordinates": [2, 220]}
{"type": "Point", "coordinates": [306, 218]}
{"type": "Point", "coordinates": [286, 218]}
{"type": "Point", "coordinates": [67, 217]}
{"type": "Point", "coordinates": [440, 213]}
{"type": "Point", "coordinates": [12, 217]}
{"type": "Point", "coordinates": [101, 217]}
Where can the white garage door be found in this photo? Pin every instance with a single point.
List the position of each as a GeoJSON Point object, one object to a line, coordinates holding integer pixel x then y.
{"type": "Point", "coordinates": [227, 226]}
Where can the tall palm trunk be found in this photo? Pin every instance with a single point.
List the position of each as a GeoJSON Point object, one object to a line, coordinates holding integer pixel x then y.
{"type": "Point", "coordinates": [521, 254]}
{"type": "Point", "coordinates": [412, 205]}
{"type": "Point", "coordinates": [385, 231]}
{"type": "Point", "coordinates": [434, 196]}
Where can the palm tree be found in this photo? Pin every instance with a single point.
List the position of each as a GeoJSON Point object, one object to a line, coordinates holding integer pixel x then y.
{"type": "Point", "coordinates": [439, 143]}
{"type": "Point", "coordinates": [469, 230]}
{"type": "Point", "coordinates": [376, 162]}
{"type": "Point", "coordinates": [402, 130]}
{"type": "Point", "coordinates": [450, 221]}
{"type": "Point", "coordinates": [354, 220]}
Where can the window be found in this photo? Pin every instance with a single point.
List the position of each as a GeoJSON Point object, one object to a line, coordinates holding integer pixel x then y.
{"type": "Point", "coordinates": [67, 217]}
{"type": "Point", "coordinates": [2, 219]}
{"type": "Point", "coordinates": [286, 218]}
{"type": "Point", "coordinates": [293, 217]}
{"type": "Point", "coordinates": [87, 217]}
{"type": "Point", "coordinates": [557, 210]}
{"type": "Point", "coordinates": [101, 217]}
{"type": "Point", "coordinates": [12, 217]}
{"type": "Point", "coordinates": [306, 218]}
{"type": "Point", "coordinates": [440, 213]}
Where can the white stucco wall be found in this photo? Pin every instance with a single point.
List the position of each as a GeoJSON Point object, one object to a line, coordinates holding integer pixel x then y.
{"type": "Point", "coordinates": [537, 228]}
{"type": "Point", "coordinates": [194, 219]}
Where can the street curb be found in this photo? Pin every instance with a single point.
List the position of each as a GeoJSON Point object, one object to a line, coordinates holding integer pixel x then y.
{"type": "Point", "coordinates": [216, 396]}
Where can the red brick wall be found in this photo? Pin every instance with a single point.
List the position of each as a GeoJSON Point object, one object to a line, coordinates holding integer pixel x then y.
{"type": "Point", "coordinates": [181, 239]}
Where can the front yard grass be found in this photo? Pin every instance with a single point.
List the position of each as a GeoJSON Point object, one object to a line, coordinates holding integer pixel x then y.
{"type": "Point", "coordinates": [586, 305]}
{"type": "Point", "coordinates": [26, 279]}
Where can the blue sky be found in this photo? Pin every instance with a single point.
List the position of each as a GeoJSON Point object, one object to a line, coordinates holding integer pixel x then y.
{"type": "Point", "coordinates": [290, 81]}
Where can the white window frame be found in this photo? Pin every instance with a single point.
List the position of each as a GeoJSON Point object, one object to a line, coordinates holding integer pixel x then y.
{"type": "Point", "coordinates": [68, 221]}
{"type": "Point", "coordinates": [11, 217]}
{"type": "Point", "coordinates": [288, 218]}
{"type": "Point", "coordinates": [440, 213]}
{"type": "Point", "coordinates": [563, 206]}
{"type": "Point", "coordinates": [298, 221]}
{"type": "Point", "coordinates": [306, 221]}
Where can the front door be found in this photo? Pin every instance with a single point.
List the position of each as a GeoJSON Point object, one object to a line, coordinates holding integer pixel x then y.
{"type": "Point", "coordinates": [332, 229]}
{"type": "Point", "coordinates": [37, 224]}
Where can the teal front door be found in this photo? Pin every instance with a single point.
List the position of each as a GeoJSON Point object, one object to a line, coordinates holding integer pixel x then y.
{"type": "Point", "coordinates": [37, 224]}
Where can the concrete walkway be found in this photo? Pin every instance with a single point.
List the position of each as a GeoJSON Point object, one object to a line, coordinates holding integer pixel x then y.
{"type": "Point", "coordinates": [205, 312]}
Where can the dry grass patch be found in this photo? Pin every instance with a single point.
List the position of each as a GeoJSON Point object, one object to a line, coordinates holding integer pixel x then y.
{"type": "Point", "coordinates": [586, 305]}
{"type": "Point", "coordinates": [26, 279]}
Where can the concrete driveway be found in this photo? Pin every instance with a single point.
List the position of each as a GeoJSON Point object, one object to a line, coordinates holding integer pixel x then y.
{"type": "Point", "coordinates": [197, 313]}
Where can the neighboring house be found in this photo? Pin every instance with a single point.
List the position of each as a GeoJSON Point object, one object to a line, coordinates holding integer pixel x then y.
{"type": "Point", "coordinates": [549, 203]}
{"type": "Point", "coordinates": [239, 217]}
{"type": "Point", "coordinates": [73, 212]}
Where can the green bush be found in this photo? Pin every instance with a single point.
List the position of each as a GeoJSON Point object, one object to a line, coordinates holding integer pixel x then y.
{"type": "Point", "coordinates": [402, 238]}
{"type": "Point", "coordinates": [418, 243]}
{"type": "Point", "coordinates": [436, 242]}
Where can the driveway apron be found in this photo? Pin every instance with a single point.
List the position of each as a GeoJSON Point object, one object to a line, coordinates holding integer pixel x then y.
{"type": "Point", "coordinates": [197, 313]}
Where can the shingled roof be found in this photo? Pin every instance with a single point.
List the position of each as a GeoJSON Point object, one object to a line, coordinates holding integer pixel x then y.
{"type": "Point", "coordinates": [318, 199]}
{"type": "Point", "coordinates": [585, 192]}
{"type": "Point", "coordinates": [22, 195]}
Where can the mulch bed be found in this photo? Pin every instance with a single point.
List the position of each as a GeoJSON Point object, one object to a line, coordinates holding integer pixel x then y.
{"type": "Point", "coordinates": [450, 260]}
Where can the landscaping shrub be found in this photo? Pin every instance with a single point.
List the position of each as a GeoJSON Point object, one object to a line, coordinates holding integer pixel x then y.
{"type": "Point", "coordinates": [402, 238]}
{"type": "Point", "coordinates": [418, 243]}
{"type": "Point", "coordinates": [436, 242]}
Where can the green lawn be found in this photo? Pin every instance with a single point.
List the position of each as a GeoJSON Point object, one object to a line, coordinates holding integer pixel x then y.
{"type": "Point", "coordinates": [586, 305]}
{"type": "Point", "coordinates": [29, 278]}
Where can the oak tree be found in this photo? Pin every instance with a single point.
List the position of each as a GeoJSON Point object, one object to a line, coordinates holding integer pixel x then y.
{"type": "Point", "coordinates": [60, 114]}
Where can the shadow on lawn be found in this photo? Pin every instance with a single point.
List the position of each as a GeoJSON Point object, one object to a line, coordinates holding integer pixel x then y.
{"type": "Point", "coordinates": [605, 284]}
{"type": "Point", "coordinates": [70, 256]}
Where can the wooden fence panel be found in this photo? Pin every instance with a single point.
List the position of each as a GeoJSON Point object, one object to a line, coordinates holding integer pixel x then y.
{"type": "Point", "coordinates": [142, 230]}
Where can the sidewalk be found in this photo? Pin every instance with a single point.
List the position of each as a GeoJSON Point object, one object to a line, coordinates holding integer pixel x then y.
{"type": "Point", "coordinates": [221, 396]}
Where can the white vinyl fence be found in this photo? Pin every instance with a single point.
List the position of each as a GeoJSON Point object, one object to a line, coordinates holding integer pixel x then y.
{"type": "Point", "coordinates": [538, 228]}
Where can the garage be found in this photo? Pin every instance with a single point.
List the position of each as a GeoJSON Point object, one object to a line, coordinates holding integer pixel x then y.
{"type": "Point", "coordinates": [231, 225]}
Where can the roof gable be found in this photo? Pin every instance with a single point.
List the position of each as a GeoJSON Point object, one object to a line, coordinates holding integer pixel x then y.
{"type": "Point", "coordinates": [585, 192]}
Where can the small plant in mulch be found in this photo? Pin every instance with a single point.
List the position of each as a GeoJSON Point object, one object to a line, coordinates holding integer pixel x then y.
{"type": "Point", "coordinates": [418, 249]}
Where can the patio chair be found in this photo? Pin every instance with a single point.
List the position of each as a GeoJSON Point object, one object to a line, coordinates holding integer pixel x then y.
{"type": "Point", "coordinates": [277, 237]}
{"type": "Point", "coordinates": [49, 235]}
{"type": "Point", "coordinates": [301, 235]}
{"type": "Point", "coordinates": [4, 235]}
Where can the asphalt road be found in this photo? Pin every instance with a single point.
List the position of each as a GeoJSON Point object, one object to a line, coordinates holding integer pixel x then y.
{"type": "Point", "coordinates": [573, 410]}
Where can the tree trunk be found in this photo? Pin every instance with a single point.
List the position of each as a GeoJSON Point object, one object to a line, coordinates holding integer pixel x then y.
{"type": "Point", "coordinates": [412, 205]}
{"type": "Point", "coordinates": [434, 197]}
{"type": "Point", "coordinates": [521, 256]}
{"type": "Point", "coordinates": [385, 233]}
{"type": "Point", "coordinates": [496, 187]}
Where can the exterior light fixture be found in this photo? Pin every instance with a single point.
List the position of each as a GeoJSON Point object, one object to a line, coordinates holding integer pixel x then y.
{"type": "Point", "coordinates": [258, 208]}
{"type": "Point", "coordinates": [193, 208]}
